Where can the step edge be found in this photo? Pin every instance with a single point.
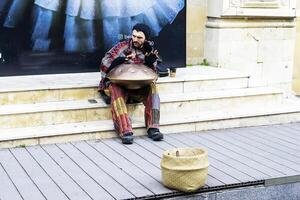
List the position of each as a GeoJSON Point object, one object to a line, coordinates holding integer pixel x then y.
{"type": "Point", "coordinates": [86, 105]}
{"type": "Point", "coordinates": [139, 124]}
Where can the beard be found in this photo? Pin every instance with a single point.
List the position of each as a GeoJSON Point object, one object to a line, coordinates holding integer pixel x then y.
{"type": "Point", "coordinates": [137, 45]}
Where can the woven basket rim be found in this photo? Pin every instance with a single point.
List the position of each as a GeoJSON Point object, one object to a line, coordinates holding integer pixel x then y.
{"type": "Point", "coordinates": [172, 152]}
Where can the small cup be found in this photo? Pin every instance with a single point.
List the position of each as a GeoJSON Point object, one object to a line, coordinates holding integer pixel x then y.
{"type": "Point", "coordinates": [172, 72]}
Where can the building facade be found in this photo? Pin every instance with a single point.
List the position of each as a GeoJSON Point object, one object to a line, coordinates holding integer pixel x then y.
{"type": "Point", "coordinates": [257, 37]}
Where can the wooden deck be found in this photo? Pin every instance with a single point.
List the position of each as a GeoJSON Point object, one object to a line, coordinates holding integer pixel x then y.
{"type": "Point", "coordinates": [107, 169]}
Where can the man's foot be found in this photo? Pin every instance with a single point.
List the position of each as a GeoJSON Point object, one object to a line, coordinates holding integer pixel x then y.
{"type": "Point", "coordinates": [155, 134]}
{"type": "Point", "coordinates": [127, 138]}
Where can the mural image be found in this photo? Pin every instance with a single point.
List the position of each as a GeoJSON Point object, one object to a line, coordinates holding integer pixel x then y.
{"type": "Point", "coordinates": [45, 28]}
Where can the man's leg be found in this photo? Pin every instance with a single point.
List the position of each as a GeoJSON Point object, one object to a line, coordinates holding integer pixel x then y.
{"type": "Point", "coordinates": [152, 112]}
{"type": "Point", "coordinates": [119, 112]}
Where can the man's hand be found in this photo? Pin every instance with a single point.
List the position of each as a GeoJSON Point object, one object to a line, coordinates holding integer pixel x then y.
{"type": "Point", "coordinates": [130, 56]}
{"type": "Point", "coordinates": [154, 52]}
{"type": "Point", "coordinates": [151, 58]}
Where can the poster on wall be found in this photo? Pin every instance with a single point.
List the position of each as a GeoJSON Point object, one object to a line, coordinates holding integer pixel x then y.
{"type": "Point", "coordinates": [71, 36]}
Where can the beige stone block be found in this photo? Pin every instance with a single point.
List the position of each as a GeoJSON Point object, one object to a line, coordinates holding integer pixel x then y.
{"type": "Point", "coordinates": [168, 88]}
{"type": "Point", "coordinates": [29, 97]}
{"type": "Point", "coordinates": [248, 121]}
{"type": "Point", "coordinates": [178, 128]}
{"type": "Point", "coordinates": [81, 93]}
{"type": "Point", "coordinates": [296, 86]}
{"type": "Point", "coordinates": [277, 50]}
{"type": "Point", "coordinates": [23, 120]}
{"type": "Point", "coordinates": [136, 110]}
{"type": "Point", "coordinates": [195, 44]}
{"type": "Point", "coordinates": [68, 116]}
{"type": "Point", "coordinates": [104, 135]}
{"type": "Point", "coordinates": [277, 72]}
{"type": "Point", "coordinates": [194, 60]}
{"type": "Point", "coordinates": [19, 143]}
{"type": "Point", "coordinates": [234, 34]}
{"type": "Point", "coordinates": [196, 16]}
{"type": "Point", "coordinates": [3, 99]}
{"type": "Point", "coordinates": [98, 114]}
{"type": "Point", "coordinates": [212, 48]}
{"type": "Point", "coordinates": [65, 138]}
{"type": "Point", "coordinates": [198, 86]}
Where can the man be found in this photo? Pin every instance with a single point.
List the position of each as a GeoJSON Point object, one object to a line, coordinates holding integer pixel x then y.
{"type": "Point", "coordinates": [136, 50]}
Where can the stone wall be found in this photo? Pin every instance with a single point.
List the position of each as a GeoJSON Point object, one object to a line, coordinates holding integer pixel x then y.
{"type": "Point", "coordinates": [260, 58]}
{"type": "Point", "coordinates": [296, 71]}
{"type": "Point", "coordinates": [250, 40]}
{"type": "Point", "coordinates": [196, 19]}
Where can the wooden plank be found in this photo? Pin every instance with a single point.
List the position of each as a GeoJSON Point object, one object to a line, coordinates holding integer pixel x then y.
{"type": "Point", "coordinates": [217, 164]}
{"type": "Point", "coordinates": [258, 136]}
{"type": "Point", "coordinates": [150, 147]}
{"type": "Point", "coordinates": [45, 184]}
{"type": "Point", "coordinates": [129, 187]}
{"type": "Point", "coordinates": [276, 136]}
{"type": "Point", "coordinates": [229, 160]}
{"type": "Point", "coordinates": [93, 189]}
{"type": "Point", "coordinates": [8, 191]}
{"type": "Point", "coordinates": [245, 152]}
{"type": "Point", "coordinates": [241, 158]}
{"type": "Point", "coordinates": [289, 132]}
{"type": "Point", "coordinates": [134, 158]}
{"type": "Point", "coordinates": [265, 146]}
{"type": "Point", "coordinates": [273, 156]}
{"type": "Point", "coordinates": [162, 144]}
{"type": "Point", "coordinates": [148, 155]}
{"type": "Point", "coordinates": [231, 166]}
{"type": "Point", "coordinates": [138, 174]}
{"type": "Point", "coordinates": [285, 134]}
{"type": "Point", "coordinates": [283, 180]}
{"type": "Point", "coordinates": [26, 187]}
{"type": "Point", "coordinates": [216, 173]}
{"type": "Point", "coordinates": [211, 181]}
{"type": "Point", "coordinates": [295, 126]}
{"type": "Point", "coordinates": [61, 178]}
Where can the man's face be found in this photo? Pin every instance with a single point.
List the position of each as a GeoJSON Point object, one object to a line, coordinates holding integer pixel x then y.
{"type": "Point", "coordinates": [138, 38]}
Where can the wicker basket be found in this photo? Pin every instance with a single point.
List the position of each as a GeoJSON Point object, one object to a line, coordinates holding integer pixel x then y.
{"type": "Point", "coordinates": [184, 169]}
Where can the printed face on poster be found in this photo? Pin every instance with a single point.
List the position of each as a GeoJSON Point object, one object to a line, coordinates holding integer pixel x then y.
{"type": "Point", "coordinates": [64, 36]}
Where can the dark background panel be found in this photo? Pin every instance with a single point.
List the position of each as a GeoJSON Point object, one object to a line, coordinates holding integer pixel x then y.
{"type": "Point", "coordinates": [18, 58]}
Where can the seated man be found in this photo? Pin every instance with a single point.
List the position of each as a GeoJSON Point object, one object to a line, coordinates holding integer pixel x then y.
{"type": "Point", "coordinates": [136, 50]}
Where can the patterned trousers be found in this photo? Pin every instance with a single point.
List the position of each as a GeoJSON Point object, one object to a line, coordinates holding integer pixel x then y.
{"type": "Point", "coordinates": [120, 96]}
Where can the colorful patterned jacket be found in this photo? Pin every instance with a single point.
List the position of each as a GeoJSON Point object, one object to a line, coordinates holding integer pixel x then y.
{"type": "Point", "coordinates": [118, 53]}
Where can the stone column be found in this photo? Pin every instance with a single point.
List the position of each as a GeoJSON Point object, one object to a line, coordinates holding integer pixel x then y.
{"type": "Point", "coordinates": [296, 73]}
{"type": "Point", "coordinates": [253, 36]}
{"type": "Point", "coordinates": [196, 19]}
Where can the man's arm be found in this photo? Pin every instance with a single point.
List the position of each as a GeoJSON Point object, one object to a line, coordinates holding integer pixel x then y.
{"type": "Point", "coordinates": [114, 57]}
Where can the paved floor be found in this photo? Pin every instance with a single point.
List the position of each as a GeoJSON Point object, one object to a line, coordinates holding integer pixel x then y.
{"type": "Point", "coordinates": [106, 169]}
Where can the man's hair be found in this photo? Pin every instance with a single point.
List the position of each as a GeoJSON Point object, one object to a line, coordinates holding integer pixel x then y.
{"type": "Point", "coordinates": [143, 28]}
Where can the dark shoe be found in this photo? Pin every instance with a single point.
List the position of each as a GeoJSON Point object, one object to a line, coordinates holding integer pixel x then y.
{"type": "Point", "coordinates": [155, 134]}
{"type": "Point", "coordinates": [127, 139]}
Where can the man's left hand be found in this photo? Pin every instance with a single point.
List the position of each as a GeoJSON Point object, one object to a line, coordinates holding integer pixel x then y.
{"type": "Point", "coordinates": [151, 57]}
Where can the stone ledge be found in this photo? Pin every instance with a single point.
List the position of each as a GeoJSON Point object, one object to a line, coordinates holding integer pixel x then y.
{"type": "Point", "coordinates": [290, 112]}
{"type": "Point", "coordinates": [165, 98]}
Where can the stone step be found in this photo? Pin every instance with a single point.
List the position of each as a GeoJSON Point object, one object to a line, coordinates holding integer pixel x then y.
{"type": "Point", "coordinates": [220, 119]}
{"type": "Point", "coordinates": [182, 104]}
{"type": "Point", "coordinates": [62, 87]}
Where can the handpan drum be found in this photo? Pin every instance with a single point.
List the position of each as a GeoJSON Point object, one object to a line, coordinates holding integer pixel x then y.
{"type": "Point", "coordinates": [132, 76]}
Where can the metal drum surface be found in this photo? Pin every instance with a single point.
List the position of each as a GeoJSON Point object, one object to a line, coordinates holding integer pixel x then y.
{"type": "Point", "coordinates": [132, 76]}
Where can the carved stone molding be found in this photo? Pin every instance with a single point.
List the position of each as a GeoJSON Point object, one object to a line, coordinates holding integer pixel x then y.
{"type": "Point", "coordinates": [252, 8]}
{"type": "Point", "coordinates": [261, 3]}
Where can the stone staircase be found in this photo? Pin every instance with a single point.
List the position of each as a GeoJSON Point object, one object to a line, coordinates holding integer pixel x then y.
{"type": "Point", "coordinates": [66, 107]}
